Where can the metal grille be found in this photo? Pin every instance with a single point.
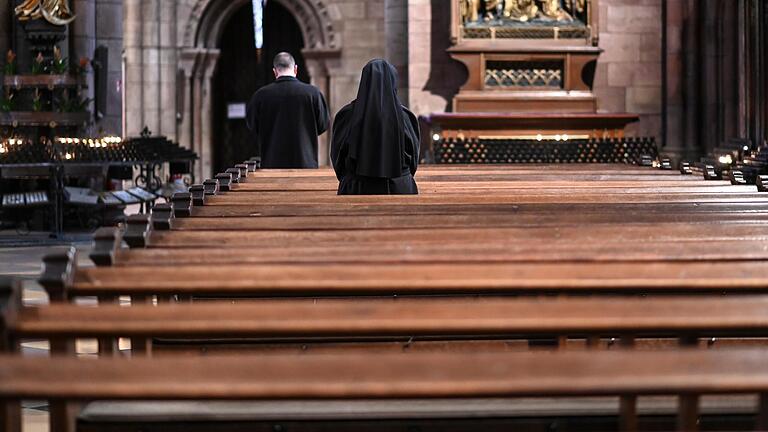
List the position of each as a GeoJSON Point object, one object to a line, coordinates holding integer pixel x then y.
{"type": "Point", "coordinates": [512, 74]}
{"type": "Point", "coordinates": [526, 33]}
{"type": "Point", "coordinates": [517, 151]}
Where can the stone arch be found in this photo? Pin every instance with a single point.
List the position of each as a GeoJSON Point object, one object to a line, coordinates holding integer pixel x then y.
{"type": "Point", "coordinates": [207, 16]}
{"type": "Point", "coordinates": [199, 55]}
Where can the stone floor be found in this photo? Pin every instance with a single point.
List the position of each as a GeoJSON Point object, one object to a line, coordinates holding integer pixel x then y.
{"type": "Point", "coordinates": [21, 256]}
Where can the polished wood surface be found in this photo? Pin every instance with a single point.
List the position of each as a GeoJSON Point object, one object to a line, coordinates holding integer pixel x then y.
{"type": "Point", "coordinates": [710, 316]}
{"type": "Point", "coordinates": [389, 375]}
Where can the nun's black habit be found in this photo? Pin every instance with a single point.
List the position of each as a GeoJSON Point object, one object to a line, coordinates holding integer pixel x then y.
{"type": "Point", "coordinates": [375, 147]}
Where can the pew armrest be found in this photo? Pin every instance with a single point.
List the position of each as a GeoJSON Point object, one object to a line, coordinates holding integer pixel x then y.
{"type": "Point", "coordinates": [211, 187]}
{"type": "Point", "coordinates": [59, 273]}
{"type": "Point", "coordinates": [137, 231]}
{"type": "Point", "coordinates": [162, 214]}
{"type": "Point", "coordinates": [106, 243]}
{"type": "Point", "coordinates": [225, 181]}
{"type": "Point", "coordinates": [198, 194]}
{"type": "Point", "coordinates": [182, 204]}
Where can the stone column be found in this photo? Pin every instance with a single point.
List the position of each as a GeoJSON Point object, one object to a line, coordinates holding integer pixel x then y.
{"type": "Point", "coordinates": [396, 48]}
{"type": "Point", "coordinates": [316, 66]}
{"type": "Point", "coordinates": [675, 96]}
{"type": "Point", "coordinates": [167, 69]}
{"type": "Point", "coordinates": [109, 33]}
{"type": "Point", "coordinates": [690, 77]}
{"type": "Point", "coordinates": [206, 116]}
{"type": "Point", "coordinates": [187, 63]}
{"type": "Point", "coordinates": [133, 80]}
{"type": "Point", "coordinates": [150, 34]}
{"type": "Point", "coordinates": [83, 40]}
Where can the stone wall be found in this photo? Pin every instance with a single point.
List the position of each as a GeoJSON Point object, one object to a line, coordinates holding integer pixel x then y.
{"type": "Point", "coordinates": [361, 24]}
{"type": "Point", "coordinates": [100, 23]}
{"type": "Point", "coordinates": [629, 72]}
{"type": "Point", "coordinates": [433, 76]}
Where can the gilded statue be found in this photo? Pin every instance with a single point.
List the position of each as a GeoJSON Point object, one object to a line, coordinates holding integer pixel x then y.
{"type": "Point", "coordinates": [491, 6]}
{"type": "Point", "coordinates": [553, 9]}
{"type": "Point", "coordinates": [470, 10]}
{"type": "Point", "coordinates": [521, 10]}
{"type": "Point", "coordinates": [56, 12]}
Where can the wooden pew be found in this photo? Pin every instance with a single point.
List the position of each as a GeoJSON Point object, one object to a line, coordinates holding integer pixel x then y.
{"type": "Point", "coordinates": [721, 212]}
{"type": "Point", "coordinates": [388, 376]}
{"type": "Point", "coordinates": [63, 280]}
{"type": "Point", "coordinates": [293, 322]}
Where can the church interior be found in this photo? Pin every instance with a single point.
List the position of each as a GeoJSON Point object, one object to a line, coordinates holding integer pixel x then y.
{"type": "Point", "coordinates": [582, 248]}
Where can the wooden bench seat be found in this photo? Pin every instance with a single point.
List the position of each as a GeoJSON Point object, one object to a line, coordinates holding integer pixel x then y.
{"type": "Point", "coordinates": [680, 317]}
{"type": "Point", "coordinates": [617, 232]}
{"type": "Point", "coordinates": [386, 376]}
{"type": "Point", "coordinates": [383, 222]}
{"type": "Point", "coordinates": [438, 252]}
{"type": "Point", "coordinates": [311, 279]}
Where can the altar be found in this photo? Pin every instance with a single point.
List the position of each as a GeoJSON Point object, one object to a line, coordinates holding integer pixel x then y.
{"type": "Point", "coordinates": [528, 96]}
{"type": "Point", "coordinates": [531, 68]}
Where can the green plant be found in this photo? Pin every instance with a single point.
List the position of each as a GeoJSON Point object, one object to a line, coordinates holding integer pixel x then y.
{"type": "Point", "coordinates": [10, 63]}
{"type": "Point", "coordinates": [6, 101]}
{"type": "Point", "coordinates": [38, 66]}
{"type": "Point", "coordinates": [68, 104]}
{"type": "Point", "coordinates": [59, 65]}
{"type": "Point", "coordinates": [37, 101]}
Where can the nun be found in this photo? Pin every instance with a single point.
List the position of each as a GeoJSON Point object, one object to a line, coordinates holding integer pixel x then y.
{"type": "Point", "coordinates": [375, 143]}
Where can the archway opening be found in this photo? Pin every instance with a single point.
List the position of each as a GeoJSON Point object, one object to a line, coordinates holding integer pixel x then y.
{"type": "Point", "coordinates": [239, 74]}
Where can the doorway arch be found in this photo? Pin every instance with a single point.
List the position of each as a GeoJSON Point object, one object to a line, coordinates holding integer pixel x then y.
{"type": "Point", "coordinates": [200, 54]}
{"type": "Point", "coordinates": [239, 74]}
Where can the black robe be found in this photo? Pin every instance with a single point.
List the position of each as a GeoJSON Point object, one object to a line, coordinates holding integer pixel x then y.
{"type": "Point", "coordinates": [375, 143]}
{"type": "Point", "coordinates": [286, 117]}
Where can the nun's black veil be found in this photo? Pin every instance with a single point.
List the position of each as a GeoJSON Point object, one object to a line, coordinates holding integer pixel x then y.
{"type": "Point", "coordinates": [376, 132]}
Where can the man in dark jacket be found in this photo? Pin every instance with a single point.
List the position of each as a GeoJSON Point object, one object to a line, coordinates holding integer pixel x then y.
{"type": "Point", "coordinates": [287, 116]}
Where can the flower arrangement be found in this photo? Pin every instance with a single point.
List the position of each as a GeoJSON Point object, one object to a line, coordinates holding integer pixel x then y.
{"type": "Point", "coordinates": [6, 101]}
{"type": "Point", "coordinates": [38, 66]}
{"type": "Point", "coordinates": [59, 65]}
{"type": "Point", "coordinates": [68, 104]}
{"type": "Point", "coordinates": [37, 101]}
{"type": "Point", "coordinates": [10, 63]}
{"type": "Point", "coordinates": [82, 67]}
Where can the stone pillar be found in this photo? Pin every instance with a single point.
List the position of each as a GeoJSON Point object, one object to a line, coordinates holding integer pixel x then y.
{"type": "Point", "coordinates": [83, 40]}
{"type": "Point", "coordinates": [690, 77]}
{"type": "Point", "coordinates": [167, 69]}
{"type": "Point", "coordinates": [150, 34]}
{"type": "Point", "coordinates": [396, 48]}
{"type": "Point", "coordinates": [676, 23]}
{"type": "Point", "coordinates": [133, 58]}
{"type": "Point", "coordinates": [187, 63]}
{"type": "Point", "coordinates": [109, 32]}
{"type": "Point", "coordinates": [206, 119]}
{"type": "Point", "coordinates": [318, 72]}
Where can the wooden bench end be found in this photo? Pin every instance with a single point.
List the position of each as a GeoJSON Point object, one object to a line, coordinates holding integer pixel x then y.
{"type": "Point", "coordinates": [58, 273]}
{"type": "Point", "coordinates": [137, 231]}
{"type": "Point", "coordinates": [106, 243]}
{"type": "Point", "coordinates": [182, 204]}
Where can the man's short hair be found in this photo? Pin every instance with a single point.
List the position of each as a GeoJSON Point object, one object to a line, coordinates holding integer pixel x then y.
{"type": "Point", "coordinates": [284, 61]}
